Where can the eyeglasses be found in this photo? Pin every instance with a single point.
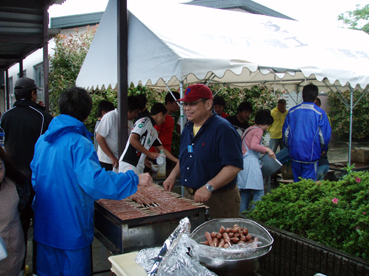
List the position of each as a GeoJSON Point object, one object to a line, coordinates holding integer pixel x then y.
{"type": "Point", "coordinates": [193, 103]}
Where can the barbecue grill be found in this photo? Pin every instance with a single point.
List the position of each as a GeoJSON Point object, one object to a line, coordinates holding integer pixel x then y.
{"type": "Point", "coordinates": [143, 220]}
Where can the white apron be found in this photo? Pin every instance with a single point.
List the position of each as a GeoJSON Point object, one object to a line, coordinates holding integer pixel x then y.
{"type": "Point", "coordinates": [250, 177]}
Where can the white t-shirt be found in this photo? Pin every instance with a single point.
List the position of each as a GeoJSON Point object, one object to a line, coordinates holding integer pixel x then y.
{"type": "Point", "coordinates": [108, 128]}
{"type": "Point", "coordinates": [130, 127]}
{"type": "Point", "coordinates": [132, 158]}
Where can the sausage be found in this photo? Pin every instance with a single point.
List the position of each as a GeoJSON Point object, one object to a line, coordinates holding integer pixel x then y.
{"type": "Point", "coordinates": [226, 238]}
{"type": "Point", "coordinates": [216, 242]}
{"type": "Point", "coordinates": [221, 243]}
{"type": "Point", "coordinates": [235, 229]}
{"type": "Point", "coordinates": [209, 239]}
{"type": "Point", "coordinates": [222, 230]}
{"type": "Point", "coordinates": [235, 240]}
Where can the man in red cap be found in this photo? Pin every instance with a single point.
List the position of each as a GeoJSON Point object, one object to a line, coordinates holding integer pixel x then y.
{"type": "Point", "coordinates": [210, 155]}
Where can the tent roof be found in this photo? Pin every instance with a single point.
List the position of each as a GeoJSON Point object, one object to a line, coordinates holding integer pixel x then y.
{"type": "Point", "coordinates": [188, 43]}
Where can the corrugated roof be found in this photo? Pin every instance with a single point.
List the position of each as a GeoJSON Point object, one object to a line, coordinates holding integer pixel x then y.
{"type": "Point", "coordinates": [246, 5]}
{"type": "Point", "coordinates": [70, 21]}
{"type": "Point", "coordinates": [21, 29]}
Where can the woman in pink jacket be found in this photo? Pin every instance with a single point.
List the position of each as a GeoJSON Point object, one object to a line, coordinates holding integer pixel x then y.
{"type": "Point", "coordinates": [250, 179]}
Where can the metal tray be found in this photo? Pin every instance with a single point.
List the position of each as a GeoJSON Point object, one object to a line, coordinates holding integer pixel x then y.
{"type": "Point", "coordinates": [236, 266]}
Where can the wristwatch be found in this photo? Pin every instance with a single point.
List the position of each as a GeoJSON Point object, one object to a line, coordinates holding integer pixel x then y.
{"type": "Point", "coordinates": [209, 187]}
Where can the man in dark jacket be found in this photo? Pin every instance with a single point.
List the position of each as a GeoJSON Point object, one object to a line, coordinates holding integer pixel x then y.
{"type": "Point", "coordinates": [23, 125]}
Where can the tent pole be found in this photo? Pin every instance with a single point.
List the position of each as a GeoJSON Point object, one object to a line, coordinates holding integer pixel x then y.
{"type": "Point", "coordinates": [182, 124]}
{"type": "Point", "coordinates": [351, 111]}
{"type": "Point", "coordinates": [122, 58]}
{"type": "Point", "coordinates": [171, 93]}
{"type": "Point", "coordinates": [181, 109]}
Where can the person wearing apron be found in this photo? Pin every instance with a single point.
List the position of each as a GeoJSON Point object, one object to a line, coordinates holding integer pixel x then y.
{"type": "Point", "coordinates": [250, 179]}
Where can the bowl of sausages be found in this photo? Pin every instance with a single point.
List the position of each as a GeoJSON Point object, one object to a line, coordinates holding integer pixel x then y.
{"type": "Point", "coordinates": [231, 246]}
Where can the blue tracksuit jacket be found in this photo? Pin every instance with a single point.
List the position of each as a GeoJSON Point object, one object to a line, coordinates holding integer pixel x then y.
{"type": "Point", "coordinates": [306, 132]}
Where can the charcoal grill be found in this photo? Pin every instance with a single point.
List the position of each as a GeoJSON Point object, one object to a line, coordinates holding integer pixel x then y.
{"type": "Point", "coordinates": [127, 235]}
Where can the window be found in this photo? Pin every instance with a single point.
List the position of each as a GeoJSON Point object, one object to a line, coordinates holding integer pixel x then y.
{"type": "Point", "coordinates": [24, 74]}
{"type": "Point", "coordinates": [11, 92]}
{"type": "Point", "coordinates": [39, 79]}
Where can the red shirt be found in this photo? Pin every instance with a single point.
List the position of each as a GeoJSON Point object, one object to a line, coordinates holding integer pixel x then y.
{"type": "Point", "coordinates": [165, 131]}
{"type": "Point", "coordinates": [224, 115]}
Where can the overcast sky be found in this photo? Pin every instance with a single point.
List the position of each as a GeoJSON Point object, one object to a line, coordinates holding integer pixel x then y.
{"type": "Point", "coordinates": [315, 12]}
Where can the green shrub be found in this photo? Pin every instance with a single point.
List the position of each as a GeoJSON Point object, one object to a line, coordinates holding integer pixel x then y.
{"type": "Point", "coordinates": [340, 116]}
{"type": "Point", "coordinates": [332, 213]}
{"type": "Point", "coordinates": [259, 96]}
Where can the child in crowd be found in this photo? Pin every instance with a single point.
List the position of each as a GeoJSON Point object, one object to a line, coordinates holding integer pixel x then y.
{"type": "Point", "coordinates": [142, 138]}
{"type": "Point", "coordinates": [250, 179]}
{"type": "Point", "coordinates": [13, 197]}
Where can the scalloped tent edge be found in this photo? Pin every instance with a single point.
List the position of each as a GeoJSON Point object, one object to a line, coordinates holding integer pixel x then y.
{"type": "Point", "coordinates": [165, 51]}
{"type": "Point", "coordinates": [273, 50]}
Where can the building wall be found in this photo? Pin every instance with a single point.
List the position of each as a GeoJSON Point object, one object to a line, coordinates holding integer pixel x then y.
{"type": "Point", "coordinates": [31, 70]}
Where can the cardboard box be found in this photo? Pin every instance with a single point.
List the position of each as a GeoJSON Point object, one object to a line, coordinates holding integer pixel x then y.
{"type": "Point", "coordinates": [360, 155]}
{"type": "Point", "coordinates": [286, 171]}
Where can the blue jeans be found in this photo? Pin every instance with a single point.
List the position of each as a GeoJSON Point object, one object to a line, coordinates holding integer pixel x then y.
{"type": "Point", "coordinates": [246, 198]}
{"type": "Point", "coordinates": [274, 143]}
{"type": "Point", "coordinates": [322, 171]}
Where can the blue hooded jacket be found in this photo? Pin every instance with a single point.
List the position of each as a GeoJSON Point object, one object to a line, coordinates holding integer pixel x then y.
{"type": "Point", "coordinates": [306, 132]}
{"type": "Point", "coordinates": [67, 178]}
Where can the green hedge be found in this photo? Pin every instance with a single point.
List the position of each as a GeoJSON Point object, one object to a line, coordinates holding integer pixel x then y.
{"type": "Point", "coordinates": [340, 116]}
{"type": "Point", "coordinates": [259, 96]}
{"type": "Point", "coordinates": [333, 213]}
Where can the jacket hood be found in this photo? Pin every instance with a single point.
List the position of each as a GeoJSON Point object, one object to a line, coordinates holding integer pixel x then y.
{"type": "Point", "coordinates": [65, 124]}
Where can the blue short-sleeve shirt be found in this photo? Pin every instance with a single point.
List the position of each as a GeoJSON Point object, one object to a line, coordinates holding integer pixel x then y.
{"type": "Point", "coordinates": [202, 157]}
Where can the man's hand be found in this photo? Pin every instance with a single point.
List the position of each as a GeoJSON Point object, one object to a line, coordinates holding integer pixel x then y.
{"type": "Point", "coordinates": [115, 162]}
{"type": "Point", "coordinates": [144, 179]}
{"type": "Point", "coordinates": [202, 195]}
{"type": "Point", "coordinates": [169, 183]}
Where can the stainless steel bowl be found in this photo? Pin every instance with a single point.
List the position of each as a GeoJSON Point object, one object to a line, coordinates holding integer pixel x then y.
{"type": "Point", "coordinates": [233, 266]}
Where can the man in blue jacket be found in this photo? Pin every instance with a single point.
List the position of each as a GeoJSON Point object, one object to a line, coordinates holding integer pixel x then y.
{"type": "Point", "coordinates": [67, 178]}
{"type": "Point", "coordinates": [306, 133]}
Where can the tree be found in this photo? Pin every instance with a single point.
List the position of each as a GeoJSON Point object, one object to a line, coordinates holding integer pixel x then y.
{"type": "Point", "coordinates": [340, 116]}
{"type": "Point", "coordinates": [70, 52]}
{"type": "Point", "coordinates": [357, 19]}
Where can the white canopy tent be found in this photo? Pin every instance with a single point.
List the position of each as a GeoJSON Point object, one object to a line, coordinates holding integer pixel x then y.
{"type": "Point", "coordinates": [175, 44]}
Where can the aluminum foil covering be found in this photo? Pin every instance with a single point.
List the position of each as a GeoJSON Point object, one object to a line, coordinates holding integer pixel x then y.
{"type": "Point", "coordinates": [173, 258]}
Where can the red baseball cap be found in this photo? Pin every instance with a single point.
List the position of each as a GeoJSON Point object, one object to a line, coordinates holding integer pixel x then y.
{"type": "Point", "coordinates": [195, 92]}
